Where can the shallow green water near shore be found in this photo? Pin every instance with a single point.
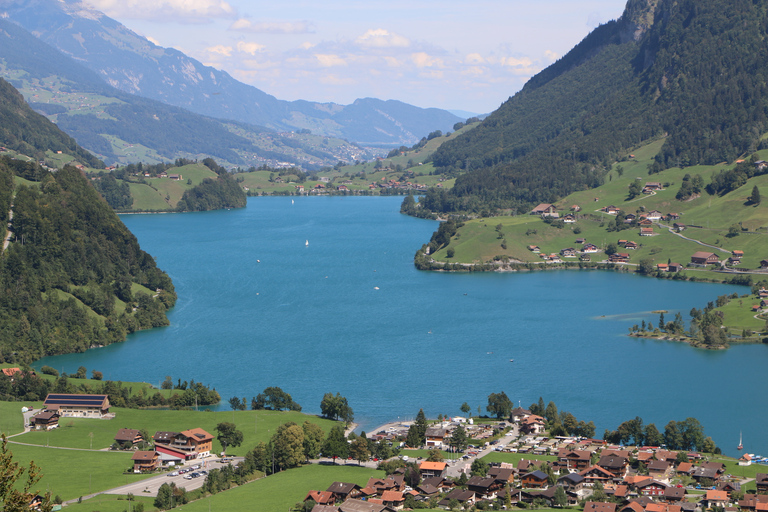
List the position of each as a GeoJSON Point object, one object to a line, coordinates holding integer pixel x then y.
{"type": "Point", "coordinates": [349, 313]}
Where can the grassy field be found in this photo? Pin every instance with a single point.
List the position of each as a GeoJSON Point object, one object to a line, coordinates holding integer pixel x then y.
{"type": "Point", "coordinates": [111, 503]}
{"type": "Point", "coordinates": [11, 419]}
{"type": "Point", "coordinates": [514, 458]}
{"type": "Point", "coordinates": [73, 473]}
{"type": "Point", "coordinates": [256, 426]}
{"type": "Point", "coordinates": [283, 490]}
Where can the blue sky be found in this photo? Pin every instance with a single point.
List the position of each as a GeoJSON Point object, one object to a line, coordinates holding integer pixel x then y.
{"type": "Point", "coordinates": [449, 54]}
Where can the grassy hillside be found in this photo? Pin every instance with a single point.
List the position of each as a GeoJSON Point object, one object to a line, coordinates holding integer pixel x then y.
{"type": "Point", "coordinates": [724, 223]}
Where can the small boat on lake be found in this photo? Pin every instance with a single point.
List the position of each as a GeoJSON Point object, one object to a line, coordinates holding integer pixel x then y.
{"type": "Point", "coordinates": [511, 360]}
{"type": "Point", "coordinates": [741, 446]}
{"type": "Point", "coordinates": [306, 242]}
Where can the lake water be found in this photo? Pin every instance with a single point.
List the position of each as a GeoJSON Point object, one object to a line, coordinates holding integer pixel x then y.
{"type": "Point", "coordinates": [349, 313]}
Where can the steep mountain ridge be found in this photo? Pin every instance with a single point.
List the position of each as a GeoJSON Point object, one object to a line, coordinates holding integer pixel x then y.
{"type": "Point", "coordinates": [135, 65]}
{"type": "Point", "coordinates": [690, 70]}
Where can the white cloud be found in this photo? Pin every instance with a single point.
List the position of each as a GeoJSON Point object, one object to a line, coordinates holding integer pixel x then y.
{"type": "Point", "coordinates": [424, 60]}
{"type": "Point", "coordinates": [380, 38]}
{"type": "Point", "coordinates": [328, 61]}
{"type": "Point", "coordinates": [272, 27]}
{"type": "Point", "coordinates": [551, 56]}
{"type": "Point", "coordinates": [306, 45]}
{"type": "Point", "coordinates": [153, 40]}
{"type": "Point", "coordinates": [185, 11]}
{"type": "Point", "coordinates": [250, 48]}
{"type": "Point", "coordinates": [220, 49]}
{"type": "Point", "coordinates": [474, 58]}
{"type": "Point", "coordinates": [393, 62]}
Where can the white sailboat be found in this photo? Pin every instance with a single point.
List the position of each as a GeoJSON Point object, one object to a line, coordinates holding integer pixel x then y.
{"type": "Point", "coordinates": [306, 243]}
{"type": "Point", "coordinates": [741, 446]}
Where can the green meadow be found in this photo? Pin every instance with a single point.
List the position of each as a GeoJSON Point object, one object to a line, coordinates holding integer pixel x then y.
{"type": "Point", "coordinates": [73, 473]}
{"type": "Point", "coordinates": [283, 490]}
{"type": "Point", "coordinates": [96, 434]}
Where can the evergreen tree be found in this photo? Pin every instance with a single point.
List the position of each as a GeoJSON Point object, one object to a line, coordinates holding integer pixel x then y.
{"type": "Point", "coordinates": [755, 197]}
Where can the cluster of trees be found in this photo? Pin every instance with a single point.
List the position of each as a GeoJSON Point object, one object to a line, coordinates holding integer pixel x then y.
{"type": "Point", "coordinates": [32, 387]}
{"type": "Point", "coordinates": [336, 408]}
{"type": "Point", "coordinates": [274, 399]}
{"type": "Point", "coordinates": [691, 186]}
{"type": "Point", "coordinates": [68, 243]}
{"type": "Point", "coordinates": [213, 194]}
{"type": "Point", "coordinates": [562, 423]}
{"type": "Point", "coordinates": [678, 435]}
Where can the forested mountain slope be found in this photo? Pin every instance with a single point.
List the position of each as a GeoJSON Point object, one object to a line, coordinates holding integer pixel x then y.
{"type": "Point", "coordinates": [72, 276]}
{"type": "Point", "coordinates": [691, 70]}
{"type": "Point", "coordinates": [24, 130]}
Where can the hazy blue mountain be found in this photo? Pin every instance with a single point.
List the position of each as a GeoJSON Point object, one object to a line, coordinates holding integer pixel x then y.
{"type": "Point", "coordinates": [135, 65]}
{"type": "Point", "coordinates": [112, 120]}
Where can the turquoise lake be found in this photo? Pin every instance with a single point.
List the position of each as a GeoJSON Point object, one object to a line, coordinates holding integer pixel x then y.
{"type": "Point", "coordinates": [349, 313]}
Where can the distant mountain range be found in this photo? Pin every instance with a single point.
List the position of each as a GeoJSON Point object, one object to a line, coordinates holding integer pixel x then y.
{"type": "Point", "coordinates": [124, 128]}
{"type": "Point", "coordinates": [135, 65]}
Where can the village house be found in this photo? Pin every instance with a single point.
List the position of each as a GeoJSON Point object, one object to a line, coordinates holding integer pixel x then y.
{"type": "Point", "coordinates": [534, 480]}
{"type": "Point", "coordinates": [754, 502]}
{"type": "Point", "coordinates": [652, 186]}
{"type": "Point", "coordinates": [570, 252]}
{"type": "Point", "coordinates": [533, 424]}
{"type": "Point", "coordinates": [393, 499]}
{"type": "Point", "coordinates": [675, 267]}
{"type": "Point", "coordinates": [342, 490]}
{"type": "Point", "coordinates": [189, 444]}
{"type": "Point", "coordinates": [654, 215]}
{"type": "Point", "coordinates": [320, 497]}
{"type": "Point", "coordinates": [659, 469]}
{"type": "Point", "coordinates": [572, 482]}
{"type": "Point", "coordinates": [674, 494]}
{"type": "Point", "coordinates": [646, 231]}
{"type": "Point", "coordinates": [650, 487]}
{"type": "Point", "coordinates": [590, 248]}
{"type": "Point", "coordinates": [11, 373]}
{"type": "Point", "coordinates": [569, 218]}
{"type": "Point", "coordinates": [354, 505]}
{"type": "Point", "coordinates": [518, 414]}
{"type": "Point", "coordinates": [534, 249]}
{"type": "Point", "coordinates": [429, 469]}
{"type": "Point", "coordinates": [80, 406]}
{"type": "Point", "coordinates": [662, 267]}
{"type": "Point", "coordinates": [715, 498]}
{"type": "Point", "coordinates": [47, 420]}
{"type": "Point", "coordinates": [678, 226]}
{"type": "Point", "coordinates": [484, 487]}
{"type": "Point", "coordinates": [575, 459]}
{"type": "Point", "coordinates": [435, 437]}
{"type": "Point", "coordinates": [673, 216]}
{"type": "Point", "coordinates": [544, 209]}
{"type": "Point", "coordinates": [702, 259]}
{"type": "Point", "coordinates": [464, 497]}
{"type": "Point", "coordinates": [597, 506]}
{"type": "Point", "coordinates": [575, 208]}
{"type": "Point", "coordinates": [126, 437]}
{"type": "Point", "coordinates": [746, 459]}
{"type": "Point", "coordinates": [761, 481]}
{"type": "Point", "coordinates": [611, 210]}
{"type": "Point", "coordinates": [619, 257]}
{"type": "Point", "coordinates": [145, 461]}
{"type": "Point", "coordinates": [615, 464]}
{"type": "Point", "coordinates": [594, 474]}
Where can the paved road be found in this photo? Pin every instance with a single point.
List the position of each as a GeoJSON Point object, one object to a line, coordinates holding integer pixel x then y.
{"type": "Point", "coordinates": [150, 486]}
{"type": "Point", "coordinates": [455, 467]}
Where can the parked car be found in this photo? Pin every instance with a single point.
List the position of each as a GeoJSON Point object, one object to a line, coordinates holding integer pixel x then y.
{"type": "Point", "coordinates": [175, 473]}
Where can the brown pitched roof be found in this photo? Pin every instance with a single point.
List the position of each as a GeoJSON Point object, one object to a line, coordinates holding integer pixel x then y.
{"type": "Point", "coordinates": [597, 506]}
{"type": "Point", "coordinates": [144, 455]}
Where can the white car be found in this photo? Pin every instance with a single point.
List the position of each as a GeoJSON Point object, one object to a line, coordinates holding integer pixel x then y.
{"type": "Point", "coordinates": [175, 473]}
